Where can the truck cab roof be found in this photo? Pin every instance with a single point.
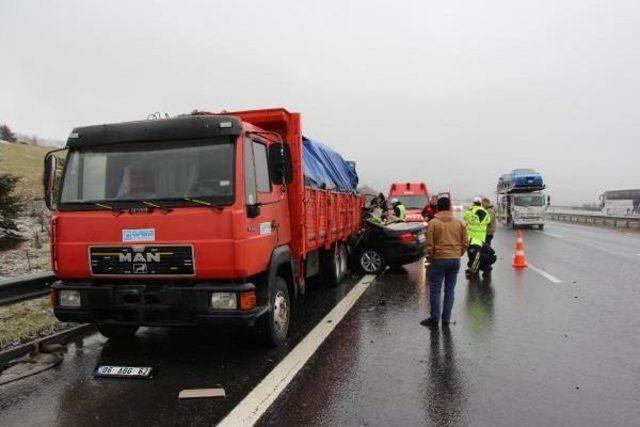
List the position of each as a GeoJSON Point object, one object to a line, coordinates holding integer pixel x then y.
{"type": "Point", "coordinates": [408, 188]}
{"type": "Point", "coordinates": [183, 127]}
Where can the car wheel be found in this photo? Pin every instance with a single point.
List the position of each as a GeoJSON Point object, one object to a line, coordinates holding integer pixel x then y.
{"type": "Point", "coordinates": [118, 332]}
{"type": "Point", "coordinates": [274, 325]}
{"type": "Point", "coordinates": [371, 261]}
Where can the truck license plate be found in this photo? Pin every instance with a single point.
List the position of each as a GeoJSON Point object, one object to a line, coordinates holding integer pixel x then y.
{"type": "Point", "coordinates": [111, 371]}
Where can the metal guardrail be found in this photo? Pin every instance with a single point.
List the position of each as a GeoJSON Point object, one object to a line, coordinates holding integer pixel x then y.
{"type": "Point", "coordinates": [16, 289]}
{"type": "Point", "coordinates": [574, 208]}
{"type": "Point", "coordinates": [596, 218]}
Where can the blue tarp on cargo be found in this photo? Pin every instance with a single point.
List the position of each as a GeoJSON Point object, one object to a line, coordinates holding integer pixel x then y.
{"type": "Point", "coordinates": [324, 168]}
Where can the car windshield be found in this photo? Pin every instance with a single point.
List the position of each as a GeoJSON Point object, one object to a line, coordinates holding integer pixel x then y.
{"type": "Point", "coordinates": [412, 202]}
{"type": "Point", "coordinates": [150, 171]}
{"type": "Point", "coordinates": [529, 200]}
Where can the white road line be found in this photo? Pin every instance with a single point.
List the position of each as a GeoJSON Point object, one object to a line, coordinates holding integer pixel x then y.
{"type": "Point", "coordinates": [544, 274]}
{"type": "Point", "coordinates": [256, 403]}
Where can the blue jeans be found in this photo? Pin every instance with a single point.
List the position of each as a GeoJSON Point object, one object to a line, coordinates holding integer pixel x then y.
{"type": "Point", "coordinates": [439, 270]}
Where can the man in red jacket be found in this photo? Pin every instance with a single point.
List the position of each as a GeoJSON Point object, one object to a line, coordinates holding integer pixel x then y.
{"type": "Point", "coordinates": [431, 209]}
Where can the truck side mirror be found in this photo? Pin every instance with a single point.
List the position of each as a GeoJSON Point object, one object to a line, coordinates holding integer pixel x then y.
{"type": "Point", "coordinates": [280, 167]}
{"type": "Point", "coordinates": [49, 179]}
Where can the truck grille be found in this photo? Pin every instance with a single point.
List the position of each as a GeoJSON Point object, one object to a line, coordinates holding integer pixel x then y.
{"type": "Point", "coordinates": [142, 260]}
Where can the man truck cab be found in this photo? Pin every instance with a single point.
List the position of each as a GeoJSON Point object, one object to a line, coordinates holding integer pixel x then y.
{"type": "Point", "coordinates": [413, 195]}
{"type": "Point", "coordinates": [190, 220]}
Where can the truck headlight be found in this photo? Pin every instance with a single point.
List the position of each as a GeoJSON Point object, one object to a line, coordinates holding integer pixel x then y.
{"type": "Point", "coordinates": [223, 300]}
{"type": "Point", "coordinates": [68, 298]}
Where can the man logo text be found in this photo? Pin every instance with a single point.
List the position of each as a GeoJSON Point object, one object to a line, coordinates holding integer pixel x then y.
{"type": "Point", "coordinates": [148, 257]}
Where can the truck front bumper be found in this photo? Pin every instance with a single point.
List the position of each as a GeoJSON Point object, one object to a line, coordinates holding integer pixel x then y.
{"type": "Point", "coordinates": [152, 304]}
{"type": "Point", "coordinates": [528, 221]}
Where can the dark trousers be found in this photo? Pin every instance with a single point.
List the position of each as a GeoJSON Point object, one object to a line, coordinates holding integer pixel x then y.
{"type": "Point", "coordinates": [473, 251]}
{"type": "Point", "coordinates": [489, 239]}
{"type": "Point", "coordinates": [442, 270]}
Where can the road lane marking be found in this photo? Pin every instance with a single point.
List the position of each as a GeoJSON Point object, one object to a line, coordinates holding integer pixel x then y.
{"type": "Point", "coordinates": [258, 401]}
{"type": "Point", "coordinates": [544, 274]}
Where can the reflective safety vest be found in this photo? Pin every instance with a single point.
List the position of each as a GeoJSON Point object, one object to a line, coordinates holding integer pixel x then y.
{"type": "Point", "coordinates": [476, 227]}
{"type": "Point", "coordinates": [400, 211]}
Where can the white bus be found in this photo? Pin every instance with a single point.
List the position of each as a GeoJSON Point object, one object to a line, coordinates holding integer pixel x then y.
{"type": "Point", "coordinates": [620, 202]}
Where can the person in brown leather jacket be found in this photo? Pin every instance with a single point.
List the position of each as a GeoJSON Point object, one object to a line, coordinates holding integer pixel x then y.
{"type": "Point", "coordinates": [447, 241]}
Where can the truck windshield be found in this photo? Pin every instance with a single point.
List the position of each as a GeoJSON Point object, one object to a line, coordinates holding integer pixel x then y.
{"type": "Point", "coordinates": [412, 202]}
{"type": "Point", "coordinates": [150, 171]}
{"type": "Point", "coordinates": [529, 200]}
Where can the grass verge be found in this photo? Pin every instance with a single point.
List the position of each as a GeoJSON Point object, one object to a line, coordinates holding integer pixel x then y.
{"type": "Point", "coordinates": [26, 321]}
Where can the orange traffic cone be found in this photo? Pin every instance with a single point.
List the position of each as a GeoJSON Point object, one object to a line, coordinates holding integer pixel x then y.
{"type": "Point", "coordinates": [519, 260]}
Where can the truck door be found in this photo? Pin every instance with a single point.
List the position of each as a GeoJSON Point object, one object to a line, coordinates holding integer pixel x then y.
{"type": "Point", "coordinates": [263, 228]}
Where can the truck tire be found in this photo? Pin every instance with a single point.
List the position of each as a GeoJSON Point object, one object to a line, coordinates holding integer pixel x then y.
{"type": "Point", "coordinates": [371, 261]}
{"type": "Point", "coordinates": [540, 226]}
{"type": "Point", "coordinates": [274, 325]}
{"type": "Point", "coordinates": [344, 261]}
{"type": "Point", "coordinates": [118, 332]}
{"type": "Point", "coordinates": [332, 266]}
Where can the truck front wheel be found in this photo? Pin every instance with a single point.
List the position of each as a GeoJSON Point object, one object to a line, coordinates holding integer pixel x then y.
{"type": "Point", "coordinates": [118, 332]}
{"type": "Point", "coordinates": [274, 325]}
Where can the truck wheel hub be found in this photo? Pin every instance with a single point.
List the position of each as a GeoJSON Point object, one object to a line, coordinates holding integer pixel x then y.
{"type": "Point", "coordinates": [280, 313]}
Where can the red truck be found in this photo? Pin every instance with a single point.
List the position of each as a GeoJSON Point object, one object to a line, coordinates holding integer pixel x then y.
{"type": "Point", "coordinates": [200, 219]}
{"type": "Point", "coordinates": [413, 195]}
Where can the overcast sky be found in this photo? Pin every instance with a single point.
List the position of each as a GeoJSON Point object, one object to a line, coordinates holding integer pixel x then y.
{"type": "Point", "coordinates": [453, 93]}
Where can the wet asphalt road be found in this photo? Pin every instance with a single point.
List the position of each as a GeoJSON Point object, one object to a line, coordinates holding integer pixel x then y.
{"type": "Point", "coordinates": [523, 351]}
{"type": "Point", "coordinates": [68, 395]}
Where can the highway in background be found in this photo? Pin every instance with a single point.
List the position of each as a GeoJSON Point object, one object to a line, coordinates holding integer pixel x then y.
{"type": "Point", "coordinates": [554, 344]}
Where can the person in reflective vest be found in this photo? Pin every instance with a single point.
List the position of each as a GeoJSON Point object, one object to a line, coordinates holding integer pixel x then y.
{"type": "Point", "coordinates": [477, 219]}
{"type": "Point", "coordinates": [399, 210]}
